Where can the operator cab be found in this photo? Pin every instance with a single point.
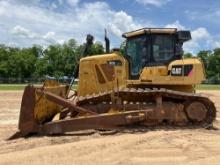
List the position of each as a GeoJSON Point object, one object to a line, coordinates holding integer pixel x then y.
{"type": "Point", "coordinates": [153, 47]}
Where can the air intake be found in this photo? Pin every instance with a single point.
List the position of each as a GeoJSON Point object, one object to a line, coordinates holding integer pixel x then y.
{"type": "Point", "coordinates": [184, 35]}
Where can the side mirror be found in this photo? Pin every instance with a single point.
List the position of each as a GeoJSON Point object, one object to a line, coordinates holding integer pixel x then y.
{"type": "Point", "coordinates": [184, 36]}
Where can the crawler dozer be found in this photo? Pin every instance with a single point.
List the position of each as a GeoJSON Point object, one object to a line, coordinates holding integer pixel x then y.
{"type": "Point", "coordinates": [151, 85]}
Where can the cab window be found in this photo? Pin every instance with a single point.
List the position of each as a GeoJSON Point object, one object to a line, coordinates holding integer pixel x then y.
{"type": "Point", "coordinates": [163, 47]}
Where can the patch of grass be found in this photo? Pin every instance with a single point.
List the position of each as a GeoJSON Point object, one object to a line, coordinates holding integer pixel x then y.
{"type": "Point", "coordinates": [22, 86]}
{"type": "Point", "coordinates": [5, 87]}
{"type": "Point", "coordinates": [12, 86]}
{"type": "Point", "coordinates": [208, 87]}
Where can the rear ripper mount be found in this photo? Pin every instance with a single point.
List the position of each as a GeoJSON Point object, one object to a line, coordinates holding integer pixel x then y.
{"type": "Point", "coordinates": [115, 109]}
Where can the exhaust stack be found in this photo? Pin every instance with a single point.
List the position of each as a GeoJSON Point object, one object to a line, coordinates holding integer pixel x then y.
{"type": "Point", "coordinates": [107, 43]}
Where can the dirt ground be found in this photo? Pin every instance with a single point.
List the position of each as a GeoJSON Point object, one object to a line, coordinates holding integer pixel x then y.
{"type": "Point", "coordinates": [157, 146]}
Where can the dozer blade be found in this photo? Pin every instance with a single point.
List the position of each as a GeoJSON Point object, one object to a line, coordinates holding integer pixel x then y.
{"type": "Point", "coordinates": [36, 109]}
{"type": "Point", "coordinates": [27, 122]}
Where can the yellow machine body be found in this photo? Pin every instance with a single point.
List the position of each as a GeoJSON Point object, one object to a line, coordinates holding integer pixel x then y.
{"type": "Point", "coordinates": [110, 71]}
{"type": "Point", "coordinates": [102, 73]}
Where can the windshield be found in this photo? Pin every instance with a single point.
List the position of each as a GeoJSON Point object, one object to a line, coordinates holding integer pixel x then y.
{"type": "Point", "coordinates": [137, 51]}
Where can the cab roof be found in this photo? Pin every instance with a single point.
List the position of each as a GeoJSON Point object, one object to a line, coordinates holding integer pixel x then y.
{"type": "Point", "coordinates": [149, 30]}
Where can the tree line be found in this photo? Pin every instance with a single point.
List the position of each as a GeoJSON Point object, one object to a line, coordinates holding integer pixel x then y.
{"type": "Point", "coordinates": [60, 60]}
{"type": "Point", "coordinates": [211, 61]}
{"type": "Point", "coordinates": [56, 60]}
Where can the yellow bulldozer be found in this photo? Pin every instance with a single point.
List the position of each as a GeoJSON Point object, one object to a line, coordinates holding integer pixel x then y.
{"type": "Point", "coordinates": [152, 84]}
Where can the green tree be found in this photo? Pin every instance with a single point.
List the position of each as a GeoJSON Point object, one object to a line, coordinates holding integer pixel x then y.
{"type": "Point", "coordinates": [187, 55]}
{"type": "Point", "coordinates": [4, 55]}
{"type": "Point", "coordinates": [213, 67]}
{"type": "Point", "coordinates": [22, 62]}
{"type": "Point", "coordinates": [204, 56]}
{"type": "Point", "coordinates": [97, 49]}
{"type": "Point", "coordinates": [71, 56]}
{"type": "Point", "coordinates": [59, 60]}
{"type": "Point", "coordinates": [122, 48]}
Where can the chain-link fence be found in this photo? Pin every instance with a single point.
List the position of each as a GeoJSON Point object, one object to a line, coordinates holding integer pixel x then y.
{"type": "Point", "coordinates": [211, 81]}
{"type": "Point", "coordinates": [30, 80]}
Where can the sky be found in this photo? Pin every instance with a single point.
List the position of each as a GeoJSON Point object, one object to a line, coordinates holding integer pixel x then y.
{"type": "Point", "coordinates": [44, 22]}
